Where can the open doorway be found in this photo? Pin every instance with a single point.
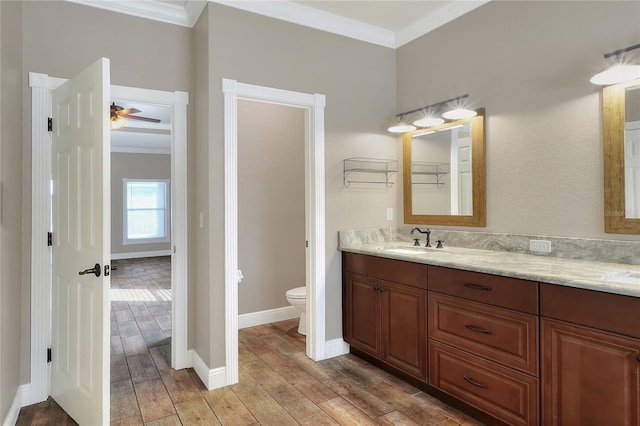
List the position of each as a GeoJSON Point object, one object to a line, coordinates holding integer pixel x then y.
{"type": "Point", "coordinates": [141, 293]}
{"type": "Point", "coordinates": [313, 106]}
{"type": "Point", "coordinates": [271, 214]}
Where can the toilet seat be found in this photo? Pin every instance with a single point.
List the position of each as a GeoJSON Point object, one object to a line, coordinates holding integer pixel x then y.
{"type": "Point", "coordinates": [297, 293]}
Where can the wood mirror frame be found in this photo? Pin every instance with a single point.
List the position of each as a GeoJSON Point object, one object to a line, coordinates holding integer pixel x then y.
{"type": "Point", "coordinates": [613, 118]}
{"type": "Point", "coordinates": [479, 217]}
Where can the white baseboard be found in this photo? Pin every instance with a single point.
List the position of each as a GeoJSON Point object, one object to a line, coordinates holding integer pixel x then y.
{"type": "Point", "coordinates": [335, 347]}
{"type": "Point", "coordinates": [23, 394]}
{"type": "Point", "coordinates": [212, 378]}
{"type": "Point", "coordinates": [266, 317]}
{"type": "Point", "coordinates": [139, 254]}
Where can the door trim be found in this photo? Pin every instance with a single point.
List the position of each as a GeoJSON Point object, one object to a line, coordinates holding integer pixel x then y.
{"type": "Point", "coordinates": [315, 212]}
{"type": "Point", "coordinates": [41, 86]}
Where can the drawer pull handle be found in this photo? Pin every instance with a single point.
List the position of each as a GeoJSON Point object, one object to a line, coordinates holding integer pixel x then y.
{"type": "Point", "coordinates": [478, 329]}
{"type": "Point", "coordinates": [474, 383]}
{"type": "Point", "coordinates": [477, 287]}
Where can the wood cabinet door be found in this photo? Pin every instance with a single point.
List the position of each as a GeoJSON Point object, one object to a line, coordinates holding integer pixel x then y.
{"type": "Point", "coordinates": [363, 313]}
{"type": "Point", "coordinates": [405, 328]}
{"type": "Point", "coordinates": [589, 377]}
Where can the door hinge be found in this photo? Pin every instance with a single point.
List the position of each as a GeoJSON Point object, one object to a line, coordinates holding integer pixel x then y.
{"type": "Point", "coordinates": [48, 354]}
{"type": "Point", "coordinates": [50, 124]}
{"type": "Point", "coordinates": [49, 238]}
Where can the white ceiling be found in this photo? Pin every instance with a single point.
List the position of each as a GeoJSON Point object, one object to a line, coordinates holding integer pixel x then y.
{"type": "Point", "coordinates": [389, 23]}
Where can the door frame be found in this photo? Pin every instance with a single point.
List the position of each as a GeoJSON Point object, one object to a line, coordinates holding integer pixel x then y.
{"type": "Point", "coordinates": [41, 86]}
{"type": "Point", "coordinates": [315, 212]}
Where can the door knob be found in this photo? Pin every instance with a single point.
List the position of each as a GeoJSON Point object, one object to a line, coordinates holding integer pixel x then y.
{"type": "Point", "coordinates": [94, 270]}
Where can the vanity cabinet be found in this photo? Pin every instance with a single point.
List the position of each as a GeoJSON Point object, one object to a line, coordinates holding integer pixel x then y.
{"type": "Point", "coordinates": [387, 319]}
{"type": "Point", "coordinates": [483, 342]}
{"type": "Point", "coordinates": [591, 357]}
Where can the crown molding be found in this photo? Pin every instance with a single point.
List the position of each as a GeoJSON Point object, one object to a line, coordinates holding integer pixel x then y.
{"type": "Point", "coordinates": [169, 13]}
{"type": "Point", "coordinates": [440, 17]}
{"type": "Point", "coordinates": [297, 13]}
{"type": "Point", "coordinates": [288, 11]}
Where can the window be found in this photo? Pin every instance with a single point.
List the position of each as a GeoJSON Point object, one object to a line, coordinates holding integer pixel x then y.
{"type": "Point", "coordinates": [146, 216]}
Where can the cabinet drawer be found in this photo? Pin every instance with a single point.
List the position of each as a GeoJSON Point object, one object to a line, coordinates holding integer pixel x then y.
{"type": "Point", "coordinates": [409, 273]}
{"type": "Point", "coordinates": [504, 336]}
{"type": "Point", "coordinates": [499, 391]}
{"type": "Point", "coordinates": [511, 293]}
{"type": "Point", "coordinates": [604, 311]}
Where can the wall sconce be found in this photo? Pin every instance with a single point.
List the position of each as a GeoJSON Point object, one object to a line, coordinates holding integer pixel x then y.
{"type": "Point", "coordinates": [433, 115]}
{"type": "Point", "coordinates": [620, 71]}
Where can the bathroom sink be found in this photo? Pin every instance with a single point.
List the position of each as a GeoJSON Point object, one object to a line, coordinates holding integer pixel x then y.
{"type": "Point", "coordinates": [625, 277]}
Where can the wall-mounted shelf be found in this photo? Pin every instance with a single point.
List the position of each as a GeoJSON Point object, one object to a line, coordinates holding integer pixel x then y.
{"type": "Point", "coordinates": [369, 166]}
{"type": "Point", "coordinates": [425, 173]}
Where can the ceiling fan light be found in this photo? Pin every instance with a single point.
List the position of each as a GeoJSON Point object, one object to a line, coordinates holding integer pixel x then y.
{"type": "Point", "coordinates": [616, 74]}
{"type": "Point", "coordinates": [401, 128]}
{"type": "Point", "coordinates": [117, 123]}
{"type": "Point", "coordinates": [428, 121]}
{"type": "Point", "coordinates": [459, 114]}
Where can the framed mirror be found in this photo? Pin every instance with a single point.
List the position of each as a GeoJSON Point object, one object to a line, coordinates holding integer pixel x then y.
{"type": "Point", "coordinates": [444, 174]}
{"type": "Point", "coordinates": [621, 127]}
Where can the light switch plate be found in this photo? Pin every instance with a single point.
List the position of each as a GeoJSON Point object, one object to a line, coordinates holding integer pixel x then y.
{"type": "Point", "coordinates": [389, 213]}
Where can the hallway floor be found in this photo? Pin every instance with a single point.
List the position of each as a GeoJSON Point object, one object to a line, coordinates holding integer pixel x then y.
{"type": "Point", "coordinates": [278, 386]}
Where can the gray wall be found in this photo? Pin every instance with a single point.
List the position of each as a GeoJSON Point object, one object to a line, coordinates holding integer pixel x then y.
{"type": "Point", "coordinates": [529, 63]}
{"type": "Point", "coordinates": [11, 214]}
{"type": "Point", "coordinates": [203, 299]}
{"type": "Point", "coordinates": [60, 38]}
{"type": "Point", "coordinates": [271, 211]}
{"type": "Point", "coordinates": [358, 80]}
{"type": "Point", "coordinates": [134, 166]}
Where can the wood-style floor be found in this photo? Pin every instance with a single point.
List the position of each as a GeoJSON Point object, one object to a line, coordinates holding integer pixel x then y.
{"type": "Point", "coordinates": [278, 384]}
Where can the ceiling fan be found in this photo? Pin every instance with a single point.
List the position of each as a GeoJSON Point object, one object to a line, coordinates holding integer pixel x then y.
{"type": "Point", "coordinates": [119, 114]}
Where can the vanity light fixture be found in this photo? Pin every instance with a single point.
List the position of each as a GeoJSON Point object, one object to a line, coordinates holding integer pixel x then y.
{"type": "Point", "coordinates": [430, 115]}
{"type": "Point", "coordinates": [620, 71]}
{"type": "Point", "coordinates": [401, 127]}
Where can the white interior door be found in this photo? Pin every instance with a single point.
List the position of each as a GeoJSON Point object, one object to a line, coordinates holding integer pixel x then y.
{"type": "Point", "coordinates": [81, 229]}
{"type": "Point", "coordinates": [632, 169]}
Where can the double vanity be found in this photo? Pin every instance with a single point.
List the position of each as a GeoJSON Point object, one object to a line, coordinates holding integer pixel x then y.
{"type": "Point", "coordinates": [506, 337]}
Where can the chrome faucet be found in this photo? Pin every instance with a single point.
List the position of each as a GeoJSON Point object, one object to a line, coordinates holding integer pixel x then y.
{"type": "Point", "coordinates": [417, 240]}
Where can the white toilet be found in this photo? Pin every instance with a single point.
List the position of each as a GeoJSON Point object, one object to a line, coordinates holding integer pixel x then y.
{"type": "Point", "coordinates": [297, 297]}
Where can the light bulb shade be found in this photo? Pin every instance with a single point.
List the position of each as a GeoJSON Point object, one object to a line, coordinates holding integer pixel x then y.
{"type": "Point", "coordinates": [401, 128]}
{"type": "Point", "coordinates": [428, 122]}
{"type": "Point", "coordinates": [459, 114]}
{"type": "Point", "coordinates": [117, 123]}
{"type": "Point", "coordinates": [617, 74]}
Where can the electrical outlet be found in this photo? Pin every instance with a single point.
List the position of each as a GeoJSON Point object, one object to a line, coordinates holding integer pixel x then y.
{"type": "Point", "coordinates": [540, 246]}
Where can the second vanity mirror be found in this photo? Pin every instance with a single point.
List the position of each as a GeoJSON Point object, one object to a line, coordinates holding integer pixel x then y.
{"type": "Point", "coordinates": [621, 124]}
{"type": "Point", "coordinates": [444, 174]}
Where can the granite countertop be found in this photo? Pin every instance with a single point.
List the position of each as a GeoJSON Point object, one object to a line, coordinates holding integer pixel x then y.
{"type": "Point", "coordinates": [584, 274]}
